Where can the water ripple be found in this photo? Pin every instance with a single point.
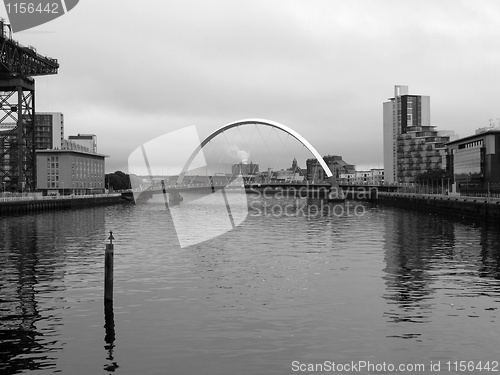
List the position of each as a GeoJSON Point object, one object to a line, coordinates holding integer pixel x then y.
{"type": "Point", "coordinates": [389, 285]}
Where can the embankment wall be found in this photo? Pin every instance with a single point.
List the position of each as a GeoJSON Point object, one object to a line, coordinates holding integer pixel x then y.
{"type": "Point", "coordinates": [470, 207]}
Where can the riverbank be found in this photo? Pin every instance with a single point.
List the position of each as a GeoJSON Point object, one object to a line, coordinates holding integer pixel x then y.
{"type": "Point", "coordinates": [481, 208]}
{"type": "Point", "coordinates": [23, 205]}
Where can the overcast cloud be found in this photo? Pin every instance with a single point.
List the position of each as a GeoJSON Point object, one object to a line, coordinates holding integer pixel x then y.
{"type": "Point", "coordinates": [132, 71]}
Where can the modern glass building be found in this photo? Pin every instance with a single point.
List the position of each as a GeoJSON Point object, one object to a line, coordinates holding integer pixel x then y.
{"type": "Point", "coordinates": [474, 161]}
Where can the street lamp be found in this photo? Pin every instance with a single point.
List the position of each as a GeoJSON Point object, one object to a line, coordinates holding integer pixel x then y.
{"type": "Point", "coordinates": [467, 189]}
{"type": "Point", "coordinates": [5, 181]}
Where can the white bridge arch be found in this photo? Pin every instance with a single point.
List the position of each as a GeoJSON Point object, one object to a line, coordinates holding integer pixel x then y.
{"type": "Point", "coordinates": [272, 124]}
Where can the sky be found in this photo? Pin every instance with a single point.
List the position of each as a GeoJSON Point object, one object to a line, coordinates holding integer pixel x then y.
{"type": "Point", "coordinates": [133, 71]}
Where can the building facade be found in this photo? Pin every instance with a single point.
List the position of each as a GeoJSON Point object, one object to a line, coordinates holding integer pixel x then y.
{"type": "Point", "coordinates": [286, 175]}
{"type": "Point", "coordinates": [374, 176]}
{"type": "Point", "coordinates": [66, 166]}
{"type": "Point", "coordinates": [49, 130]}
{"type": "Point", "coordinates": [70, 172]}
{"type": "Point", "coordinates": [474, 161]}
{"type": "Point", "coordinates": [421, 149]}
{"type": "Point", "coordinates": [335, 163]}
{"type": "Point", "coordinates": [411, 145]}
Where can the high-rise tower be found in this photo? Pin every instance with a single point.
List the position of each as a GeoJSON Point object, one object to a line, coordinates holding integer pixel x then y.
{"type": "Point", "coordinates": [401, 112]}
{"type": "Point", "coordinates": [411, 145]}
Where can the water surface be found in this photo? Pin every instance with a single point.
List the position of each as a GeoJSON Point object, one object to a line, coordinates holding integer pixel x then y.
{"type": "Point", "coordinates": [389, 286]}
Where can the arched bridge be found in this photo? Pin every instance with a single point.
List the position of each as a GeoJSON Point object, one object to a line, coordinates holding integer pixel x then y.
{"type": "Point", "coordinates": [181, 185]}
{"type": "Point", "coordinates": [262, 122]}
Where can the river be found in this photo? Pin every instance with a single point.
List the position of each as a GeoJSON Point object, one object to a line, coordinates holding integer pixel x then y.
{"type": "Point", "coordinates": [282, 293]}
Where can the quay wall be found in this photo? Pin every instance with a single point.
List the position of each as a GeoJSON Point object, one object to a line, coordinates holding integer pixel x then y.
{"type": "Point", "coordinates": [480, 208]}
{"type": "Point", "coordinates": [42, 204]}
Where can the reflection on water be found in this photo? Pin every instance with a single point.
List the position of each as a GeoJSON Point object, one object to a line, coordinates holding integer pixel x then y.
{"type": "Point", "coordinates": [409, 257]}
{"type": "Point", "coordinates": [109, 338]}
{"type": "Point", "coordinates": [35, 254]}
{"type": "Point", "coordinates": [440, 271]}
{"type": "Point", "coordinates": [290, 285]}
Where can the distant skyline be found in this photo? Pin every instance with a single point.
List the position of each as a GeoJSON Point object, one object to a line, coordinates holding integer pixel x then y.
{"type": "Point", "coordinates": [133, 71]}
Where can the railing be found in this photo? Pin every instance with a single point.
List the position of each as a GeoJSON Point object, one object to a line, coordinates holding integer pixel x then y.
{"type": "Point", "coordinates": [227, 183]}
{"type": "Point", "coordinates": [489, 199]}
{"type": "Point", "coordinates": [55, 197]}
{"type": "Point", "coordinates": [409, 188]}
{"type": "Point", "coordinates": [443, 191]}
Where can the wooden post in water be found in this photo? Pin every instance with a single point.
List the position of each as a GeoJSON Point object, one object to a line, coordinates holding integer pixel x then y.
{"type": "Point", "coordinates": [108, 269]}
{"type": "Point", "coordinates": [165, 194]}
{"type": "Point", "coordinates": [109, 321]}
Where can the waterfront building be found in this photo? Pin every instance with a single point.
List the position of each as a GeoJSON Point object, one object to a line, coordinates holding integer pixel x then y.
{"type": "Point", "coordinates": [474, 161]}
{"type": "Point", "coordinates": [377, 176]}
{"type": "Point", "coordinates": [362, 177]}
{"type": "Point", "coordinates": [70, 172]}
{"type": "Point", "coordinates": [66, 166]}
{"type": "Point", "coordinates": [412, 145]}
{"type": "Point", "coordinates": [374, 176]}
{"type": "Point", "coordinates": [336, 164]}
{"type": "Point", "coordinates": [347, 178]}
{"type": "Point", "coordinates": [288, 176]}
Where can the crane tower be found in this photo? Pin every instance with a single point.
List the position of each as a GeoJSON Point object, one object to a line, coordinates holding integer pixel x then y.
{"type": "Point", "coordinates": [18, 64]}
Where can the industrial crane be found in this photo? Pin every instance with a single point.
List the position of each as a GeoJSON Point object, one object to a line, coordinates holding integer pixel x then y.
{"type": "Point", "coordinates": [18, 64]}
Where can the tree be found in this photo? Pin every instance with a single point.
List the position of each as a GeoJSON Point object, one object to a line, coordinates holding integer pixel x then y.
{"type": "Point", "coordinates": [434, 176]}
{"type": "Point", "coordinates": [117, 181]}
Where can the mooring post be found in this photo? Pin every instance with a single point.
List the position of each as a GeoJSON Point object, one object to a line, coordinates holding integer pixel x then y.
{"type": "Point", "coordinates": [108, 269]}
{"type": "Point", "coordinates": [109, 320]}
{"type": "Point", "coordinates": [164, 190]}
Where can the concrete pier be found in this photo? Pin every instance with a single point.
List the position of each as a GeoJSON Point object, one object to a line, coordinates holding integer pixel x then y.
{"type": "Point", "coordinates": [14, 206]}
{"type": "Point", "coordinates": [481, 208]}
